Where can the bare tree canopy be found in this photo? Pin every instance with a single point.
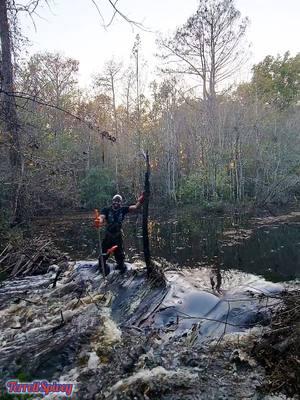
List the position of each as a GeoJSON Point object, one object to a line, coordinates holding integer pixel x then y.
{"type": "Point", "coordinates": [208, 45]}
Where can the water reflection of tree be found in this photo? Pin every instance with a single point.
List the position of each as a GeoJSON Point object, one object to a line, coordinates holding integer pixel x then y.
{"type": "Point", "coordinates": [188, 236]}
{"type": "Point", "coordinates": [215, 275]}
{"type": "Point", "coordinates": [216, 278]}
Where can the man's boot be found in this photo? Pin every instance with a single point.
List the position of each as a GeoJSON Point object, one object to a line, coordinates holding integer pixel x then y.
{"type": "Point", "coordinates": [106, 267]}
{"type": "Point", "coordinates": [121, 267]}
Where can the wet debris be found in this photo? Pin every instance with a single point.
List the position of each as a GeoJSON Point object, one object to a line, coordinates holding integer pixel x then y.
{"type": "Point", "coordinates": [124, 337]}
{"type": "Point", "coordinates": [30, 257]}
{"type": "Point", "coordinates": [278, 350]}
{"type": "Point", "coordinates": [150, 383]}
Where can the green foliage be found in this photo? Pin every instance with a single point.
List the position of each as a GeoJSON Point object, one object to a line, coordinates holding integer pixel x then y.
{"type": "Point", "coordinates": [194, 189]}
{"type": "Point", "coordinates": [277, 80]}
{"type": "Point", "coordinates": [246, 129]}
{"type": "Point", "coordinates": [24, 376]}
{"type": "Point", "coordinates": [223, 188]}
{"type": "Point", "coordinates": [191, 189]}
{"type": "Point", "coordinates": [97, 188]}
{"type": "Point", "coordinates": [214, 206]}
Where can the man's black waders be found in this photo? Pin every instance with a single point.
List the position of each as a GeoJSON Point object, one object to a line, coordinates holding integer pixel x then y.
{"type": "Point", "coordinates": [114, 239]}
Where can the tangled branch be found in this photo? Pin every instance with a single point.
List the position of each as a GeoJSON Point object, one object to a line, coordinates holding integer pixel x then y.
{"type": "Point", "coordinates": [28, 97]}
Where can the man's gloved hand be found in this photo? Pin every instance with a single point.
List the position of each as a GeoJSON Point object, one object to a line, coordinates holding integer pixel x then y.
{"type": "Point", "coordinates": [141, 199]}
{"type": "Point", "coordinates": [111, 250]}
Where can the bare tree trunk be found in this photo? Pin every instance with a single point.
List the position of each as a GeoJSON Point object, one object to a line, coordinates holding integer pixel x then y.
{"type": "Point", "coordinates": [135, 50]}
{"type": "Point", "coordinates": [10, 115]}
{"type": "Point", "coordinates": [116, 129]}
{"type": "Point", "coordinates": [174, 178]}
{"type": "Point", "coordinates": [88, 159]}
{"type": "Point", "coordinates": [168, 182]}
{"type": "Point", "coordinates": [146, 244]}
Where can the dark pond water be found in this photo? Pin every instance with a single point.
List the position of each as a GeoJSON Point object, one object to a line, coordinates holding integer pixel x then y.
{"type": "Point", "coordinates": [188, 239]}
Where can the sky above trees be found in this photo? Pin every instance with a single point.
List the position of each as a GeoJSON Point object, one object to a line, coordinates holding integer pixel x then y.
{"type": "Point", "coordinates": [206, 143]}
{"type": "Point", "coordinates": [76, 29]}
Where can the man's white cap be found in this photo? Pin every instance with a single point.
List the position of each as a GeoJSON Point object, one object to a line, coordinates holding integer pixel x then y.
{"type": "Point", "coordinates": [117, 197]}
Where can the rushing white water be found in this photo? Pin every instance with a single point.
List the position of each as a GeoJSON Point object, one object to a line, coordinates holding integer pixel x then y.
{"type": "Point", "coordinates": [49, 332]}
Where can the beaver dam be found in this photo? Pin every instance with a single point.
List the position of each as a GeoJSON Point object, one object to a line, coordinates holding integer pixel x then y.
{"type": "Point", "coordinates": [202, 333]}
{"type": "Point", "coordinates": [124, 337]}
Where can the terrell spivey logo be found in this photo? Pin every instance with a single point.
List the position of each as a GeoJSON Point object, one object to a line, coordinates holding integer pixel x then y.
{"type": "Point", "coordinates": [43, 387]}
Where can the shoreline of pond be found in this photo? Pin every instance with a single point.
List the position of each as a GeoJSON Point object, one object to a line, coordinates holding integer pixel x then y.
{"type": "Point", "coordinates": [190, 239]}
{"type": "Point", "coordinates": [211, 209]}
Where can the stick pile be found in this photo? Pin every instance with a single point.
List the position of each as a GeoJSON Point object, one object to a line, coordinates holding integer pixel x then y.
{"type": "Point", "coordinates": [30, 257]}
{"type": "Point", "coordinates": [279, 348]}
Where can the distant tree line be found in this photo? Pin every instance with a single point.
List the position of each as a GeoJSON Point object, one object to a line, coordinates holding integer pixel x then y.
{"type": "Point", "coordinates": [66, 148]}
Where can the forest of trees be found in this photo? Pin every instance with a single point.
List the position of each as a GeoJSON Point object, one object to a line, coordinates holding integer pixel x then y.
{"type": "Point", "coordinates": [63, 148]}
